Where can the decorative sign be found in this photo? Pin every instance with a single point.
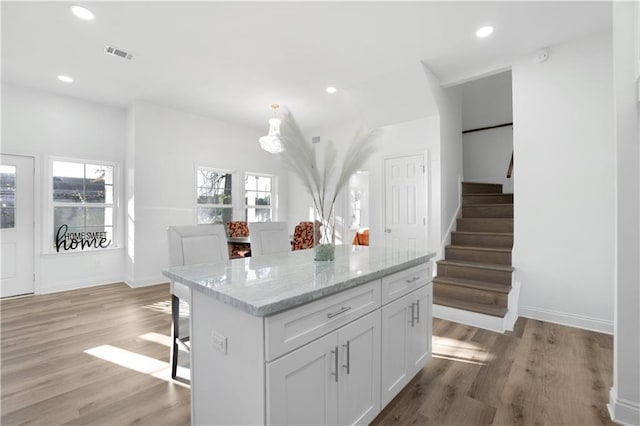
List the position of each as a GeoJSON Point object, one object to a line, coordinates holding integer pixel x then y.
{"type": "Point", "coordinates": [73, 240]}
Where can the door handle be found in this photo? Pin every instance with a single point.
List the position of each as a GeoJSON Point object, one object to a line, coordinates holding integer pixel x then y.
{"type": "Point", "coordinates": [412, 307]}
{"type": "Point", "coordinates": [335, 352]}
{"type": "Point", "coordinates": [348, 364]}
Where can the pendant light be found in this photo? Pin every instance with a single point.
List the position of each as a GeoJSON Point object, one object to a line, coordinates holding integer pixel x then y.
{"type": "Point", "coordinates": [272, 142]}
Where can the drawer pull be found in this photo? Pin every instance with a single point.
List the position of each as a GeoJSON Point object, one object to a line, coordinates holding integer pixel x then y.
{"type": "Point", "coordinates": [343, 309]}
{"type": "Point", "coordinates": [412, 280]}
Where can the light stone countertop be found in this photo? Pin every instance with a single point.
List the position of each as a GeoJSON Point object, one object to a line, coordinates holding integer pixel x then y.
{"type": "Point", "coordinates": [270, 284]}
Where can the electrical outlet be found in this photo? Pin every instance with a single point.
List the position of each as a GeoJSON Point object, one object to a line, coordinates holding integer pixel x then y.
{"type": "Point", "coordinates": [219, 342]}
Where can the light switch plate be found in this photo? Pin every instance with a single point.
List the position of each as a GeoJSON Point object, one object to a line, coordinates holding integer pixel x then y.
{"type": "Point", "coordinates": [219, 342]}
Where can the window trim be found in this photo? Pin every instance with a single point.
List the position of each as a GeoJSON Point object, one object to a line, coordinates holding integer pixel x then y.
{"type": "Point", "coordinates": [232, 206]}
{"type": "Point", "coordinates": [48, 247]}
{"type": "Point", "coordinates": [274, 195]}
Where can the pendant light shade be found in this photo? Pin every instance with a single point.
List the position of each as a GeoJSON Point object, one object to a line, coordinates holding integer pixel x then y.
{"type": "Point", "coordinates": [272, 142]}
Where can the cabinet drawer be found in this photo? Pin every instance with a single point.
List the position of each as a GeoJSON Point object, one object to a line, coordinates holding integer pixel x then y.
{"type": "Point", "coordinates": [296, 327]}
{"type": "Point", "coordinates": [403, 282]}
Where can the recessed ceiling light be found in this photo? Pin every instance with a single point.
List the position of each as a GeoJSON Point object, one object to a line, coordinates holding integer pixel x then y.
{"type": "Point", "coordinates": [331, 89]}
{"type": "Point", "coordinates": [65, 78]}
{"type": "Point", "coordinates": [484, 31]}
{"type": "Point", "coordinates": [82, 12]}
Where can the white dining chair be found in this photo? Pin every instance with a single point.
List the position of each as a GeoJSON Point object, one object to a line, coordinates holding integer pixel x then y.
{"type": "Point", "coordinates": [268, 238]}
{"type": "Point", "coordinates": [190, 245]}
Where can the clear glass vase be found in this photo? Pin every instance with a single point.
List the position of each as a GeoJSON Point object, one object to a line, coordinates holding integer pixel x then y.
{"type": "Point", "coordinates": [324, 236]}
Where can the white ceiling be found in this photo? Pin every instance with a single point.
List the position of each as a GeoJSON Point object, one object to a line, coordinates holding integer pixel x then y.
{"type": "Point", "coordinates": [231, 60]}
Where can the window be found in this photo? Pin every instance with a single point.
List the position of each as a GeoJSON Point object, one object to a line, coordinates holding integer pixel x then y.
{"type": "Point", "coordinates": [82, 205]}
{"type": "Point", "coordinates": [8, 197]}
{"type": "Point", "coordinates": [214, 201]}
{"type": "Point", "coordinates": [258, 198]}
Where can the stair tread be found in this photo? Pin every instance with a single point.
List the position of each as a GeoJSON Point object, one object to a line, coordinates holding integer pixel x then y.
{"type": "Point", "coordinates": [475, 284]}
{"type": "Point", "coordinates": [493, 249]}
{"type": "Point", "coordinates": [489, 193]}
{"type": "Point", "coordinates": [506, 234]}
{"type": "Point", "coordinates": [496, 311]}
{"type": "Point", "coordinates": [479, 265]}
{"type": "Point", "coordinates": [485, 218]}
{"type": "Point", "coordinates": [488, 204]}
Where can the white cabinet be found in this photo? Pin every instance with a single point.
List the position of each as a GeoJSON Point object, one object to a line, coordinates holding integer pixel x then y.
{"type": "Point", "coordinates": [406, 340]}
{"type": "Point", "coordinates": [332, 380]}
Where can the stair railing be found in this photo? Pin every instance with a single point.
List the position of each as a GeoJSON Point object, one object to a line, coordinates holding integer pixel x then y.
{"type": "Point", "coordinates": [510, 169]}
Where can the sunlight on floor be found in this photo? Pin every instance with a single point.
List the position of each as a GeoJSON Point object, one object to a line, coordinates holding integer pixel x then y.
{"type": "Point", "coordinates": [137, 362]}
{"type": "Point", "coordinates": [164, 306]}
{"type": "Point", "coordinates": [456, 350]}
{"type": "Point", "coordinates": [158, 338]}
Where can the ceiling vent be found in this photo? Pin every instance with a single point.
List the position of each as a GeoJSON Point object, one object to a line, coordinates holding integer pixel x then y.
{"type": "Point", "coordinates": [110, 50]}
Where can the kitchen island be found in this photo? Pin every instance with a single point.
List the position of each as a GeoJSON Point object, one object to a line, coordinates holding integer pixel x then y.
{"type": "Point", "coordinates": [282, 339]}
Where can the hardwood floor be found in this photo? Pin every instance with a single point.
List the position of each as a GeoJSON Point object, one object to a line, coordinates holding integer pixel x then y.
{"type": "Point", "coordinates": [539, 374]}
{"type": "Point", "coordinates": [99, 356]}
{"type": "Point", "coordinates": [93, 356]}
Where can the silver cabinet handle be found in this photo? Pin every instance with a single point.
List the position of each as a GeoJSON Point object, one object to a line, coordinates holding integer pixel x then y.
{"type": "Point", "coordinates": [388, 230]}
{"type": "Point", "coordinates": [335, 352]}
{"type": "Point", "coordinates": [343, 309]}
{"type": "Point", "coordinates": [412, 313]}
{"type": "Point", "coordinates": [348, 364]}
{"type": "Point", "coordinates": [412, 280]}
{"type": "Point", "coordinates": [418, 311]}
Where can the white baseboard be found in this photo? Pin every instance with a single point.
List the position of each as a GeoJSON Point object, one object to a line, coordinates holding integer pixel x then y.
{"type": "Point", "coordinates": [565, 318]}
{"type": "Point", "coordinates": [57, 287]}
{"type": "Point", "coordinates": [512, 305]}
{"type": "Point", "coordinates": [623, 411]}
{"type": "Point", "coordinates": [473, 319]}
{"type": "Point", "coordinates": [158, 279]}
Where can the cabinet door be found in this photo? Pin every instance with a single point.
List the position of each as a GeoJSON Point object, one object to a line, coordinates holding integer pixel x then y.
{"type": "Point", "coordinates": [359, 381]}
{"type": "Point", "coordinates": [395, 343]}
{"type": "Point", "coordinates": [302, 388]}
{"type": "Point", "coordinates": [419, 351]}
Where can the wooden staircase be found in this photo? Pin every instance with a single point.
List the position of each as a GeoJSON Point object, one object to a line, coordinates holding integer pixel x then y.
{"type": "Point", "coordinates": [475, 274]}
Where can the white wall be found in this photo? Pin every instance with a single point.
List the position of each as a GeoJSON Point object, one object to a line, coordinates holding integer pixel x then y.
{"type": "Point", "coordinates": [486, 154]}
{"type": "Point", "coordinates": [449, 102]}
{"type": "Point", "coordinates": [167, 146]}
{"type": "Point", "coordinates": [624, 403]}
{"type": "Point", "coordinates": [41, 124]}
{"type": "Point", "coordinates": [564, 194]}
{"type": "Point", "coordinates": [420, 136]}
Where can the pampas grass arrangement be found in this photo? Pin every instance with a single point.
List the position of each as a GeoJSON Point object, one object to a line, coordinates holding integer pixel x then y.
{"type": "Point", "coordinates": [322, 179]}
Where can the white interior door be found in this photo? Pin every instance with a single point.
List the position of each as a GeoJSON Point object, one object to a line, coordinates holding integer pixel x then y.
{"type": "Point", "coordinates": [16, 225]}
{"type": "Point", "coordinates": [405, 218]}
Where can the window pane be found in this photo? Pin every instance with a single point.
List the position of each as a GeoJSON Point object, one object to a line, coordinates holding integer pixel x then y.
{"type": "Point", "coordinates": [99, 216]}
{"type": "Point", "coordinates": [67, 189]}
{"type": "Point", "coordinates": [100, 172]}
{"type": "Point", "coordinates": [8, 197]}
{"type": "Point", "coordinates": [108, 194]}
{"type": "Point", "coordinates": [70, 216]}
{"type": "Point", "coordinates": [94, 191]}
{"type": "Point", "coordinates": [7, 217]}
{"type": "Point", "coordinates": [264, 183]}
{"type": "Point", "coordinates": [66, 169]}
{"type": "Point", "coordinates": [214, 187]}
{"type": "Point", "coordinates": [214, 215]}
{"type": "Point", "coordinates": [258, 215]}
